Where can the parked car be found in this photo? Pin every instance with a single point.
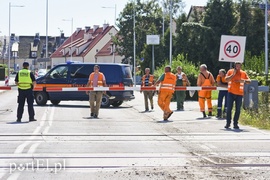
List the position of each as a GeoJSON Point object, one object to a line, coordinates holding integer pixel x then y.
{"type": "Point", "coordinates": [77, 75]}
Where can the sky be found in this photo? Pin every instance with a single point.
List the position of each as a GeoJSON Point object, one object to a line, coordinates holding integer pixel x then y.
{"type": "Point", "coordinates": [31, 18]}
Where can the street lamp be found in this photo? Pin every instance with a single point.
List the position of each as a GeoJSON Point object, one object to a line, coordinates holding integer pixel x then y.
{"type": "Point", "coordinates": [171, 27]}
{"type": "Point", "coordinates": [71, 20]}
{"type": "Point", "coordinates": [47, 19]}
{"type": "Point", "coordinates": [114, 12]}
{"type": "Point", "coordinates": [9, 44]}
{"type": "Point", "coordinates": [134, 41]}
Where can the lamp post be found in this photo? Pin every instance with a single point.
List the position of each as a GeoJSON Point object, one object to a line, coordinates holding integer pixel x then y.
{"type": "Point", "coordinates": [134, 41]}
{"type": "Point", "coordinates": [71, 20]}
{"type": "Point", "coordinates": [47, 19]}
{"type": "Point", "coordinates": [9, 25]}
{"type": "Point", "coordinates": [114, 12]}
{"type": "Point", "coordinates": [170, 32]}
{"type": "Point", "coordinates": [266, 41]}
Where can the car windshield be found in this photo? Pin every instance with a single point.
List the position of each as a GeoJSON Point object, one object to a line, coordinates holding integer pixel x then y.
{"type": "Point", "coordinates": [59, 72]}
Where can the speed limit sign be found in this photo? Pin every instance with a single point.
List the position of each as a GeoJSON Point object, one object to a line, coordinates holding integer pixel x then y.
{"type": "Point", "coordinates": [232, 48]}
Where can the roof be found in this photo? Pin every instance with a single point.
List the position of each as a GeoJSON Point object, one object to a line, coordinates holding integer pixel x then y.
{"type": "Point", "coordinates": [93, 36]}
{"type": "Point", "coordinates": [87, 63]}
{"type": "Point", "coordinates": [195, 8]}
{"type": "Point", "coordinates": [106, 50]}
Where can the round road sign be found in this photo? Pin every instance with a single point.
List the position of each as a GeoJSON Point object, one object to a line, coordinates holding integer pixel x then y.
{"type": "Point", "coordinates": [232, 49]}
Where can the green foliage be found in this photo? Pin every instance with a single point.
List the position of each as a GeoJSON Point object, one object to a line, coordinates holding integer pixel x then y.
{"type": "Point", "coordinates": [3, 66]}
{"type": "Point", "coordinates": [261, 118]}
{"type": "Point", "coordinates": [188, 67]}
{"type": "Point", "coordinates": [148, 14]}
{"type": "Point", "coordinates": [255, 67]}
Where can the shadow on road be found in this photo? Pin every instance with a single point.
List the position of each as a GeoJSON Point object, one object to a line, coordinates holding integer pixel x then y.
{"type": "Point", "coordinates": [26, 122]}
{"type": "Point", "coordinates": [162, 121]}
{"type": "Point", "coordinates": [235, 130]}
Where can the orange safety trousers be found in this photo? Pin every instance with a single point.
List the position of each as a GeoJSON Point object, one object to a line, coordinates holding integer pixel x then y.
{"type": "Point", "coordinates": [203, 94]}
{"type": "Point", "coordinates": [164, 100]}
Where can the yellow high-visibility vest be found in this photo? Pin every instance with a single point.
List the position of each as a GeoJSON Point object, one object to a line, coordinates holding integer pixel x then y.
{"type": "Point", "coordinates": [25, 81]}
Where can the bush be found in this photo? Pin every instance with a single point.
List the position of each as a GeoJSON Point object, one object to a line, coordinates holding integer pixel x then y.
{"type": "Point", "coordinates": [188, 68]}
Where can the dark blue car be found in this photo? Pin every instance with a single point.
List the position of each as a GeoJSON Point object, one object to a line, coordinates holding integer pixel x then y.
{"type": "Point", "coordinates": [76, 75]}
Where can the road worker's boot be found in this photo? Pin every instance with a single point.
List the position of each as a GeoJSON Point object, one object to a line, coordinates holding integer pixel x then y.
{"type": "Point", "coordinates": [210, 113]}
{"type": "Point", "coordinates": [204, 115]}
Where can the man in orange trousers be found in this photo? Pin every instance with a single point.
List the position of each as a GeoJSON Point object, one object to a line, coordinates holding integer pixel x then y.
{"type": "Point", "coordinates": [168, 81]}
{"type": "Point", "coordinates": [205, 79]}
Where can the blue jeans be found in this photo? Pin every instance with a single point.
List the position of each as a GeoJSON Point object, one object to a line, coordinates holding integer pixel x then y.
{"type": "Point", "coordinates": [231, 98]}
{"type": "Point", "coordinates": [221, 95]}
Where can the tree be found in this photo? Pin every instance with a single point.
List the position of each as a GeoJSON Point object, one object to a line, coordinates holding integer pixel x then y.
{"type": "Point", "coordinates": [250, 23]}
{"type": "Point", "coordinates": [177, 6]}
{"type": "Point", "coordinates": [147, 13]}
{"type": "Point", "coordinates": [219, 16]}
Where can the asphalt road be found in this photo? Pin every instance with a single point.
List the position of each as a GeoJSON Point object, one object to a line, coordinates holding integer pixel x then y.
{"type": "Point", "coordinates": [126, 143]}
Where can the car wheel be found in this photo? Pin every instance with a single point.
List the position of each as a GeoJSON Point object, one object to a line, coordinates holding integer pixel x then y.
{"type": "Point", "coordinates": [55, 102]}
{"type": "Point", "coordinates": [117, 103]}
{"type": "Point", "coordinates": [105, 102]}
{"type": "Point", "coordinates": [41, 98]}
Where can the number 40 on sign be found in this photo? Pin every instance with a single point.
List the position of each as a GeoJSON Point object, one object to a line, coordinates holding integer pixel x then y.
{"type": "Point", "coordinates": [232, 48]}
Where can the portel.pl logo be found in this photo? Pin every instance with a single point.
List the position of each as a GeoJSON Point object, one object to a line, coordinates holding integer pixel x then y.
{"type": "Point", "coordinates": [38, 165]}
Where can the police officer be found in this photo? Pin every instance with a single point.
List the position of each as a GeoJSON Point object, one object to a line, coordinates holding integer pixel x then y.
{"type": "Point", "coordinates": [25, 80]}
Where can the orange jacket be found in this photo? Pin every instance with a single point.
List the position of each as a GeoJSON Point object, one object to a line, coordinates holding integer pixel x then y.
{"type": "Point", "coordinates": [168, 84]}
{"type": "Point", "coordinates": [151, 80]}
{"type": "Point", "coordinates": [234, 87]}
{"type": "Point", "coordinates": [100, 79]}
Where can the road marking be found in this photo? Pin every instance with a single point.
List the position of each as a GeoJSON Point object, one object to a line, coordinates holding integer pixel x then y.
{"type": "Point", "coordinates": [21, 147]}
{"type": "Point", "coordinates": [33, 148]}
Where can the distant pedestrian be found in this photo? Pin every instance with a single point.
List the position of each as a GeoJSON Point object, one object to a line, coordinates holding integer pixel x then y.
{"type": "Point", "coordinates": [236, 79]}
{"type": "Point", "coordinates": [168, 81]}
{"type": "Point", "coordinates": [25, 80]}
{"type": "Point", "coordinates": [148, 80]}
{"type": "Point", "coordinates": [222, 94]}
{"type": "Point", "coordinates": [205, 79]}
{"type": "Point", "coordinates": [96, 79]}
{"type": "Point", "coordinates": [181, 80]}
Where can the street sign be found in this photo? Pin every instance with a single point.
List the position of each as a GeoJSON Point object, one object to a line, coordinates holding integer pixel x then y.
{"type": "Point", "coordinates": [152, 39]}
{"type": "Point", "coordinates": [232, 48]}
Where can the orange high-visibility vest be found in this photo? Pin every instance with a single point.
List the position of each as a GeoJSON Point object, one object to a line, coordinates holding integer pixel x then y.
{"type": "Point", "coordinates": [100, 79]}
{"type": "Point", "coordinates": [168, 84]}
{"type": "Point", "coordinates": [236, 88]}
{"type": "Point", "coordinates": [150, 82]}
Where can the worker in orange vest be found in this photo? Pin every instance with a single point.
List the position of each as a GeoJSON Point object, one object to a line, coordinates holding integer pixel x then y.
{"type": "Point", "coordinates": [96, 79]}
{"type": "Point", "coordinates": [205, 79]}
{"type": "Point", "coordinates": [236, 79]}
{"type": "Point", "coordinates": [222, 94]}
{"type": "Point", "coordinates": [181, 80]}
{"type": "Point", "coordinates": [148, 80]}
{"type": "Point", "coordinates": [167, 87]}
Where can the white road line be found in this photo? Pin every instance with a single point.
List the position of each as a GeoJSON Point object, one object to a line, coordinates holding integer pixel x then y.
{"type": "Point", "coordinates": [33, 148]}
{"type": "Point", "coordinates": [14, 176]}
{"type": "Point", "coordinates": [21, 147]}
